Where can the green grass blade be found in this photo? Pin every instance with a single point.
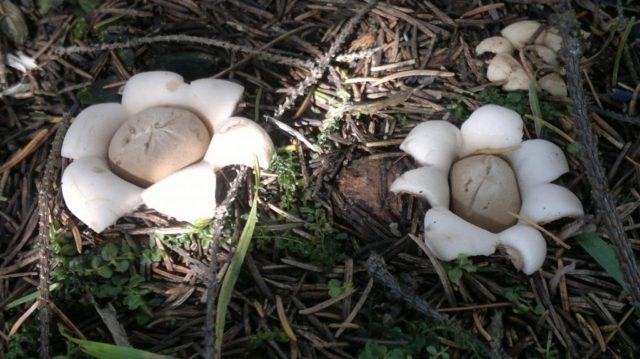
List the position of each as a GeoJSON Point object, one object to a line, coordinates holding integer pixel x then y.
{"type": "Point", "coordinates": [534, 103]}
{"type": "Point", "coordinates": [109, 351]}
{"type": "Point", "coordinates": [602, 252]}
{"type": "Point", "coordinates": [30, 297]}
{"type": "Point", "coordinates": [621, 44]}
{"type": "Point", "coordinates": [230, 279]}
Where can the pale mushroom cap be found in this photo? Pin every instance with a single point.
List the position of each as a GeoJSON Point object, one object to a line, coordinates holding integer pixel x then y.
{"type": "Point", "coordinates": [187, 195]}
{"type": "Point", "coordinates": [554, 84]}
{"type": "Point", "coordinates": [95, 195]}
{"type": "Point", "coordinates": [491, 127]}
{"type": "Point", "coordinates": [519, 33]}
{"type": "Point", "coordinates": [448, 236]}
{"type": "Point", "coordinates": [157, 142]}
{"type": "Point", "coordinates": [91, 131]}
{"type": "Point", "coordinates": [428, 182]}
{"type": "Point", "coordinates": [518, 80]}
{"type": "Point", "coordinates": [484, 191]}
{"type": "Point", "coordinates": [501, 67]}
{"type": "Point", "coordinates": [536, 162]}
{"type": "Point", "coordinates": [525, 246]}
{"type": "Point", "coordinates": [495, 45]}
{"type": "Point", "coordinates": [213, 100]}
{"type": "Point", "coordinates": [434, 143]}
{"type": "Point", "coordinates": [240, 141]}
{"type": "Point", "coordinates": [547, 202]}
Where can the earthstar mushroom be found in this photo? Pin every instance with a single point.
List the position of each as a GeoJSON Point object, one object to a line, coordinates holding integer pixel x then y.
{"type": "Point", "coordinates": [160, 147]}
{"type": "Point", "coordinates": [492, 175]}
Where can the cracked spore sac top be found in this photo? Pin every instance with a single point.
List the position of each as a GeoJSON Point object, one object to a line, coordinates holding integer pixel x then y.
{"type": "Point", "coordinates": [157, 142]}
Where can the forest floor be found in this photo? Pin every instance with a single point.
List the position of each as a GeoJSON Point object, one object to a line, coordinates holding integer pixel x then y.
{"type": "Point", "coordinates": [334, 268]}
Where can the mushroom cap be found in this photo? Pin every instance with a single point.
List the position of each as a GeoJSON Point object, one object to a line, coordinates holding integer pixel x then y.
{"type": "Point", "coordinates": [187, 195]}
{"type": "Point", "coordinates": [495, 45]}
{"type": "Point", "coordinates": [491, 127]}
{"type": "Point", "coordinates": [95, 195]}
{"type": "Point", "coordinates": [435, 143]}
{"type": "Point", "coordinates": [525, 246]}
{"type": "Point", "coordinates": [448, 236]}
{"type": "Point", "coordinates": [428, 182]}
{"type": "Point", "coordinates": [554, 84]}
{"type": "Point", "coordinates": [240, 141]}
{"type": "Point", "coordinates": [484, 191]}
{"type": "Point", "coordinates": [91, 131]}
{"type": "Point", "coordinates": [157, 142]}
{"type": "Point", "coordinates": [519, 33]}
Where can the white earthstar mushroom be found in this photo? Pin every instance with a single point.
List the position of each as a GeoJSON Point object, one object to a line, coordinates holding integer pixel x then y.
{"type": "Point", "coordinates": [493, 172]}
{"type": "Point", "coordinates": [167, 135]}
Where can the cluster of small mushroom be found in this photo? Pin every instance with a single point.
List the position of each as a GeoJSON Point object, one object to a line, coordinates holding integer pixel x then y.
{"type": "Point", "coordinates": [485, 186]}
{"type": "Point", "coordinates": [160, 147]}
{"type": "Point", "coordinates": [524, 36]}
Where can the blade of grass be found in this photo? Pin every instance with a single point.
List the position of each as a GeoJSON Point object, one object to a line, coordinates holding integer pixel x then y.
{"type": "Point", "coordinates": [31, 296]}
{"type": "Point", "coordinates": [602, 252]}
{"type": "Point", "coordinates": [109, 351]}
{"type": "Point", "coordinates": [534, 103]}
{"type": "Point", "coordinates": [233, 272]}
{"type": "Point", "coordinates": [618, 58]}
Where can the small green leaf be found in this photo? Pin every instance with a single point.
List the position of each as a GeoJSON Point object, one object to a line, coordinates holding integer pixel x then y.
{"type": "Point", "coordinates": [109, 251]}
{"type": "Point", "coordinates": [602, 252]}
{"type": "Point", "coordinates": [455, 274]}
{"type": "Point", "coordinates": [45, 5]}
{"type": "Point", "coordinates": [105, 272]}
{"type": "Point", "coordinates": [122, 265]}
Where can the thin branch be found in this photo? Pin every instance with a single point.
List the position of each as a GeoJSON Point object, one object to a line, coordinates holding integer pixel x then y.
{"type": "Point", "coordinates": [261, 54]}
{"type": "Point", "coordinates": [45, 189]}
{"type": "Point", "coordinates": [222, 212]}
{"type": "Point", "coordinates": [566, 22]}
{"type": "Point", "coordinates": [318, 70]}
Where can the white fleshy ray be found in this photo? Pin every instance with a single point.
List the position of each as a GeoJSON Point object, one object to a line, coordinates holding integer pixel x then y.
{"type": "Point", "coordinates": [520, 32]}
{"type": "Point", "coordinates": [554, 84]}
{"type": "Point", "coordinates": [97, 196]}
{"type": "Point", "coordinates": [495, 45]}
{"type": "Point", "coordinates": [239, 142]}
{"type": "Point", "coordinates": [214, 100]}
{"type": "Point", "coordinates": [90, 133]}
{"type": "Point", "coordinates": [491, 127]}
{"type": "Point", "coordinates": [187, 195]}
{"type": "Point", "coordinates": [428, 182]}
{"type": "Point", "coordinates": [525, 246]}
{"type": "Point", "coordinates": [547, 202]}
{"type": "Point", "coordinates": [537, 161]}
{"type": "Point", "coordinates": [448, 236]}
{"type": "Point", "coordinates": [436, 143]}
{"type": "Point", "coordinates": [153, 88]}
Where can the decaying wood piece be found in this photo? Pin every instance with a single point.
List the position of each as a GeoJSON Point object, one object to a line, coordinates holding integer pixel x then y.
{"type": "Point", "coordinates": [46, 189]}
